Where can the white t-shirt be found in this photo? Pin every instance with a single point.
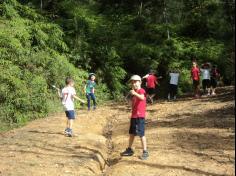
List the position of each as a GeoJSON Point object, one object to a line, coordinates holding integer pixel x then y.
{"type": "Point", "coordinates": [206, 73]}
{"type": "Point", "coordinates": [67, 98]}
{"type": "Point", "coordinates": [174, 78]}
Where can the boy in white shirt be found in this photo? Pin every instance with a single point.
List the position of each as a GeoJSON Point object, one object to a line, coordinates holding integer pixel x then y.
{"type": "Point", "coordinates": [206, 78]}
{"type": "Point", "coordinates": [68, 95]}
{"type": "Point", "coordinates": [173, 85]}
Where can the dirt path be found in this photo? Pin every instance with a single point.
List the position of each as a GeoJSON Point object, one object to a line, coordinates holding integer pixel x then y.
{"type": "Point", "coordinates": [185, 138]}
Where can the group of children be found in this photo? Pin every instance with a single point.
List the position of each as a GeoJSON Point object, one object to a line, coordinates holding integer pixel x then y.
{"type": "Point", "coordinates": [139, 99]}
{"type": "Point", "coordinates": [152, 81]}
{"type": "Point", "coordinates": [210, 75]}
{"type": "Point", "coordinates": [137, 121]}
{"type": "Point", "coordinates": [68, 95]}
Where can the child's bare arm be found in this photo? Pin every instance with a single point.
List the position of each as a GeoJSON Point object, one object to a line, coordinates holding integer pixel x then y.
{"type": "Point", "coordinates": [144, 77]}
{"type": "Point", "coordinates": [140, 96]}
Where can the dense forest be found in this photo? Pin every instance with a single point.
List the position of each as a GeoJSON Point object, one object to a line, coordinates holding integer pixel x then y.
{"type": "Point", "coordinates": [44, 41]}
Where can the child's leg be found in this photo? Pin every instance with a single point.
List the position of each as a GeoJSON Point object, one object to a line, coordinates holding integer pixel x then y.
{"type": "Point", "coordinates": [148, 97]}
{"type": "Point", "coordinates": [168, 96]}
{"type": "Point", "coordinates": [67, 123]}
{"type": "Point", "coordinates": [213, 91]}
{"type": "Point", "coordinates": [209, 87]}
{"type": "Point", "coordinates": [144, 143]}
{"type": "Point", "coordinates": [129, 151]}
{"type": "Point", "coordinates": [171, 91]}
{"type": "Point", "coordinates": [145, 154]}
{"type": "Point", "coordinates": [70, 122]}
{"type": "Point", "coordinates": [94, 99]}
{"type": "Point", "coordinates": [197, 89]}
{"type": "Point", "coordinates": [175, 91]}
{"type": "Point", "coordinates": [204, 86]}
{"type": "Point", "coordinates": [88, 100]}
{"type": "Point", "coordinates": [152, 96]}
{"type": "Point", "coordinates": [208, 90]}
{"type": "Point", "coordinates": [131, 140]}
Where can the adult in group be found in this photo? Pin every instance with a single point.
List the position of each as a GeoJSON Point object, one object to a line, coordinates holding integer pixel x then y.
{"type": "Point", "coordinates": [195, 76]}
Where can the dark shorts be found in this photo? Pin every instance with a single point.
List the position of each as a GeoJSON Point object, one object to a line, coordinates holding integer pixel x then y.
{"type": "Point", "coordinates": [213, 82]}
{"type": "Point", "coordinates": [70, 114]}
{"type": "Point", "coordinates": [151, 91]}
{"type": "Point", "coordinates": [206, 83]}
{"type": "Point", "coordinates": [195, 83]}
{"type": "Point", "coordinates": [137, 126]}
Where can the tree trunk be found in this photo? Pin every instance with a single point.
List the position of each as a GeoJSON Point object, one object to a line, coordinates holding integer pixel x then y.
{"type": "Point", "coordinates": [41, 5]}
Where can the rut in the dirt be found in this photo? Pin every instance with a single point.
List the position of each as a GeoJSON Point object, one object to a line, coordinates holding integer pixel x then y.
{"type": "Point", "coordinates": [107, 132]}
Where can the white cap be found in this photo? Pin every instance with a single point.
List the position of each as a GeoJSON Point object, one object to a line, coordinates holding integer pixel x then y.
{"type": "Point", "coordinates": [135, 78]}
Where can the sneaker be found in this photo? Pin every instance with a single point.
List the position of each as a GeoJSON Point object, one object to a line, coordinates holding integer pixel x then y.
{"type": "Point", "coordinates": [145, 155]}
{"type": "Point", "coordinates": [69, 133]}
{"type": "Point", "coordinates": [127, 152]}
{"type": "Point", "coordinates": [66, 130]}
{"type": "Point", "coordinates": [94, 108]}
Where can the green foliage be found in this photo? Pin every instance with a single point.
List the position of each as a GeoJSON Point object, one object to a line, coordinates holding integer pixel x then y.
{"type": "Point", "coordinates": [33, 57]}
{"type": "Point", "coordinates": [41, 45]}
{"type": "Point", "coordinates": [137, 31]}
{"type": "Point", "coordinates": [114, 72]}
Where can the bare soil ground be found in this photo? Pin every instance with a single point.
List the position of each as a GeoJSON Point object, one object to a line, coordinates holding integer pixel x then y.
{"type": "Point", "coordinates": [188, 137]}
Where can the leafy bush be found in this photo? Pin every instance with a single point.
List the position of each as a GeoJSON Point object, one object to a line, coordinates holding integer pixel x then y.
{"type": "Point", "coordinates": [33, 57]}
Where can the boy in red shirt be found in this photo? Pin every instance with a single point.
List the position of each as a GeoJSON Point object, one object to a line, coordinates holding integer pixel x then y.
{"type": "Point", "coordinates": [137, 121]}
{"type": "Point", "coordinates": [151, 80]}
{"type": "Point", "coordinates": [195, 75]}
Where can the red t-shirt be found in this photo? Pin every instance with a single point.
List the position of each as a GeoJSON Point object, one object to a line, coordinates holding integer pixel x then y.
{"type": "Point", "coordinates": [138, 105]}
{"type": "Point", "coordinates": [151, 81]}
{"type": "Point", "coordinates": [195, 72]}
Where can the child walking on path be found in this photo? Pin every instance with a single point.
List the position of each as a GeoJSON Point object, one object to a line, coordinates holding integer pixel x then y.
{"type": "Point", "coordinates": [206, 83]}
{"type": "Point", "coordinates": [151, 83]}
{"type": "Point", "coordinates": [89, 90]}
{"type": "Point", "coordinates": [68, 95]}
{"type": "Point", "coordinates": [137, 121]}
{"type": "Point", "coordinates": [195, 75]}
{"type": "Point", "coordinates": [173, 85]}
